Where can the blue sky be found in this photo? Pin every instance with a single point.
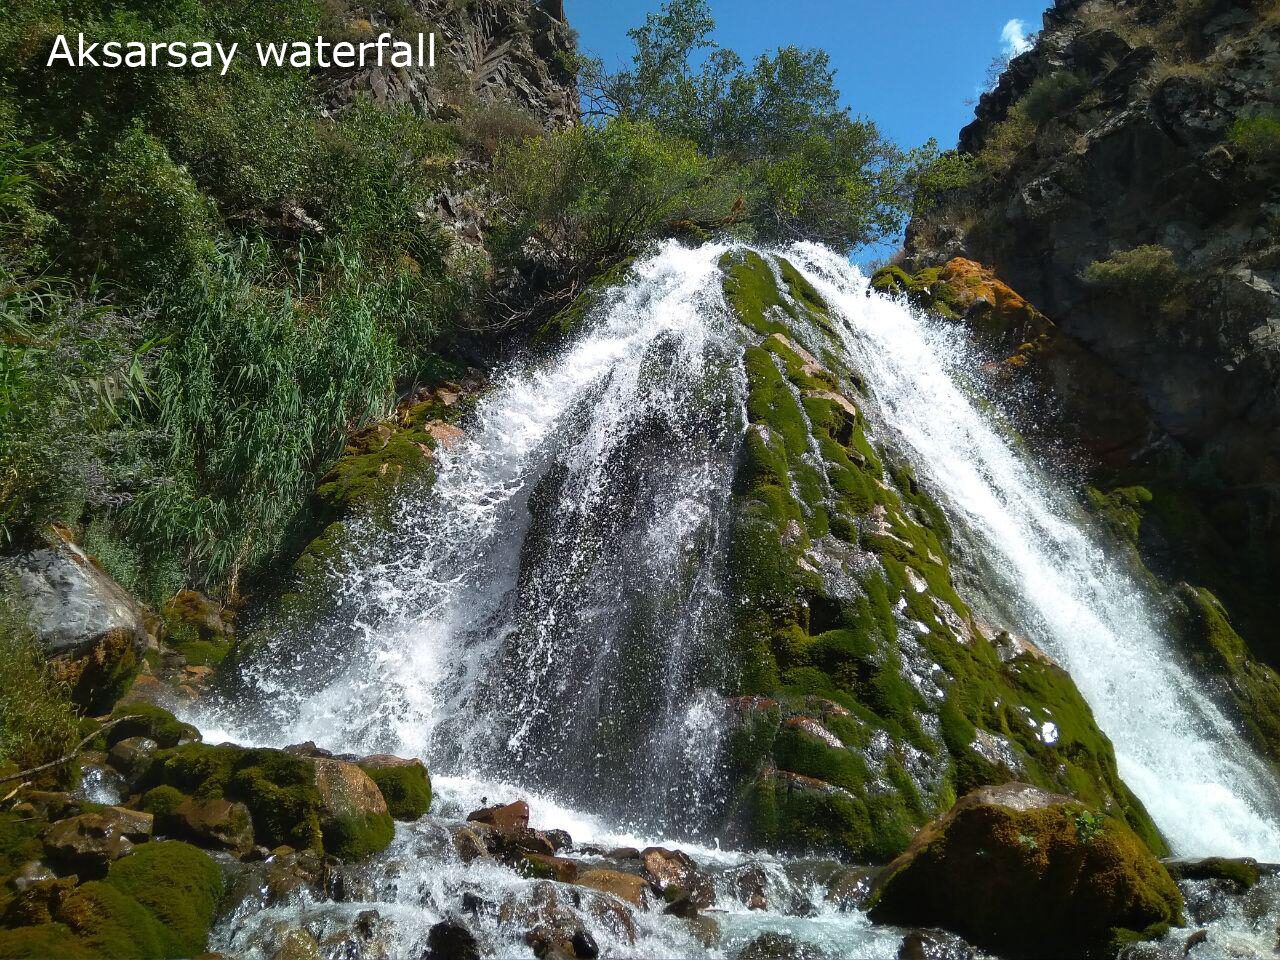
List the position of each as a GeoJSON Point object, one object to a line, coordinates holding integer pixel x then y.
{"type": "Point", "coordinates": [910, 65]}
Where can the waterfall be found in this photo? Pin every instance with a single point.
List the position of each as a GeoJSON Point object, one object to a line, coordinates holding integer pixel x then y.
{"type": "Point", "coordinates": [548, 612]}
{"type": "Point", "coordinates": [546, 619]}
{"type": "Point", "coordinates": [1203, 786]}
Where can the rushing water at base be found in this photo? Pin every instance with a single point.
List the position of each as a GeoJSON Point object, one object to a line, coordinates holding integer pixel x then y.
{"type": "Point", "coordinates": [543, 622]}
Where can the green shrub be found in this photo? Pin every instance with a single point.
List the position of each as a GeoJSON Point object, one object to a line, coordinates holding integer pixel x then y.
{"type": "Point", "coordinates": [1147, 273]}
{"type": "Point", "coordinates": [1052, 95]}
{"type": "Point", "coordinates": [591, 195]}
{"type": "Point", "coordinates": [1258, 137]}
{"type": "Point", "coordinates": [38, 723]}
{"type": "Point", "coordinates": [950, 171]}
{"type": "Point", "coordinates": [1006, 141]}
{"type": "Point", "coordinates": [148, 217]}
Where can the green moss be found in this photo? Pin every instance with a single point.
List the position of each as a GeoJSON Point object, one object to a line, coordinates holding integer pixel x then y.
{"type": "Point", "coordinates": [808, 474]}
{"type": "Point", "coordinates": [1122, 509]}
{"type": "Point", "coordinates": [1010, 880]}
{"type": "Point", "coordinates": [1243, 874]}
{"type": "Point", "coordinates": [1217, 650]}
{"type": "Point", "coordinates": [147, 720]}
{"type": "Point", "coordinates": [376, 461]}
{"type": "Point", "coordinates": [570, 319]}
{"type": "Point", "coordinates": [357, 836]}
{"type": "Point", "coordinates": [112, 925]}
{"type": "Point", "coordinates": [407, 790]}
{"type": "Point", "coordinates": [162, 801]}
{"type": "Point", "coordinates": [44, 942]}
{"type": "Point", "coordinates": [278, 788]}
{"type": "Point", "coordinates": [179, 885]}
{"type": "Point", "coordinates": [19, 842]}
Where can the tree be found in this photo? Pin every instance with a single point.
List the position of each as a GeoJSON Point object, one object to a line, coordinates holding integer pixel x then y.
{"type": "Point", "coordinates": [811, 169]}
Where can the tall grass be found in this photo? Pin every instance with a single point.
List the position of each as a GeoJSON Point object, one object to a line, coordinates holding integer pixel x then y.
{"type": "Point", "coordinates": [38, 723]}
{"type": "Point", "coordinates": [262, 377]}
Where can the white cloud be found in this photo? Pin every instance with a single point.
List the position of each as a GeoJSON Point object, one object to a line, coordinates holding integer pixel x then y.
{"type": "Point", "coordinates": [1015, 38]}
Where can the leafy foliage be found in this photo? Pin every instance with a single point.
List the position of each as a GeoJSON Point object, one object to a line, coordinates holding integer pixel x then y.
{"type": "Point", "coordinates": [205, 283]}
{"type": "Point", "coordinates": [591, 194]}
{"type": "Point", "coordinates": [808, 168]}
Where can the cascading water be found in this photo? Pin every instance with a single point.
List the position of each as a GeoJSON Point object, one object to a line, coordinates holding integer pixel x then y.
{"type": "Point", "coordinates": [546, 621]}
{"type": "Point", "coordinates": [1203, 786]}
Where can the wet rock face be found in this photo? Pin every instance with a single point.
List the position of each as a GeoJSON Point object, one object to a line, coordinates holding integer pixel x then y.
{"type": "Point", "coordinates": [90, 627]}
{"type": "Point", "coordinates": [1013, 867]}
{"type": "Point", "coordinates": [1149, 149]}
{"type": "Point", "coordinates": [518, 51]}
{"type": "Point", "coordinates": [870, 694]}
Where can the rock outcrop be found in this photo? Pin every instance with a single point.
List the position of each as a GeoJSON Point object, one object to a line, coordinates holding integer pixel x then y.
{"type": "Point", "coordinates": [92, 630]}
{"type": "Point", "coordinates": [1125, 183]}
{"type": "Point", "coordinates": [1013, 869]}
{"type": "Point", "coordinates": [870, 694]}
{"type": "Point", "coordinates": [521, 52]}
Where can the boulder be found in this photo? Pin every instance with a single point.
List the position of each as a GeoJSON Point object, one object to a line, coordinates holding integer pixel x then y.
{"type": "Point", "coordinates": [779, 946]}
{"type": "Point", "coordinates": [624, 886]}
{"type": "Point", "coordinates": [89, 843]}
{"type": "Point", "coordinates": [450, 940]}
{"type": "Point", "coordinates": [1013, 867]}
{"type": "Point", "coordinates": [551, 868]}
{"type": "Point", "coordinates": [132, 756]}
{"type": "Point", "coordinates": [353, 813]}
{"type": "Point", "coordinates": [511, 816]}
{"type": "Point", "coordinates": [405, 785]}
{"type": "Point", "coordinates": [1241, 873]}
{"type": "Point", "coordinates": [213, 823]}
{"type": "Point", "coordinates": [92, 630]}
{"type": "Point", "coordinates": [672, 872]}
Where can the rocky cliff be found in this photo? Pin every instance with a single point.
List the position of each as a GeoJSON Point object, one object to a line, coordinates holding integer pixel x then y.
{"type": "Point", "coordinates": [1122, 176]}
{"type": "Point", "coordinates": [515, 51]}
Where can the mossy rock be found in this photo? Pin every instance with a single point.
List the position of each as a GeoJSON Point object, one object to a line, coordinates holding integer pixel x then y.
{"type": "Point", "coordinates": [280, 791]}
{"type": "Point", "coordinates": [405, 786]}
{"type": "Point", "coordinates": [277, 787]}
{"type": "Point", "coordinates": [1218, 651]}
{"type": "Point", "coordinates": [148, 720]}
{"type": "Point", "coordinates": [569, 320]}
{"type": "Point", "coordinates": [46, 941]}
{"type": "Point", "coordinates": [179, 885]}
{"type": "Point", "coordinates": [838, 564]}
{"type": "Point", "coordinates": [1012, 868]}
{"type": "Point", "coordinates": [113, 925]}
{"type": "Point", "coordinates": [1241, 873]}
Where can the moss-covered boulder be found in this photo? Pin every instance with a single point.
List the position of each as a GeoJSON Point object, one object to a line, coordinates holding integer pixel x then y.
{"type": "Point", "coordinates": [869, 696]}
{"type": "Point", "coordinates": [353, 814]}
{"type": "Point", "coordinates": [299, 801]}
{"type": "Point", "coordinates": [147, 720]}
{"type": "Point", "coordinates": [178, 885]}
{"type": "Point", "coordinates": [157, 903]}
{"type": "Point", "coordinates": [1011, 868]}
{"type": "Point", "coordinates": [405, 785]}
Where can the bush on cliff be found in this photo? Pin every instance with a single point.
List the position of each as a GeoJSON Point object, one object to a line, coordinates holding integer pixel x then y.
{"type": "Point", "coordinates": [593, 194]}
